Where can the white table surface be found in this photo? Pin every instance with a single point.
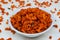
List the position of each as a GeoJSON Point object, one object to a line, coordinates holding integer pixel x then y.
{"type": "Point", "coordinates": [52, 32]}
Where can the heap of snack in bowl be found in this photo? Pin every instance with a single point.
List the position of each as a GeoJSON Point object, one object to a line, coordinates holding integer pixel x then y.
{"type": "Point", "coordinates": [31, 20]}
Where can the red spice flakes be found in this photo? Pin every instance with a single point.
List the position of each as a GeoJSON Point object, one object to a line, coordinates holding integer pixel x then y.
{"type": "Point", "coordinates": [29, 4]}
{"type": "Point", "coordinates": [58, 38]}
{"type": "Point", "coordinates": [50, 37]}
{"type": "Point", "coordinates": [1, 18]}
{"type": "Point", "coordinates": [9, 39]}
{"type": "Point", "coordinates": [7, 22]}
{"type": "Point", "coordinates": [58, 13]}
{"type": "Point", "coordinates": [13, 6]}
{"type": "Point", "coordinates": [0, 31]}
{"type": "Point", "coordinates": [56, 26]}
{"type": "Point", "coordinates": [1, 38]}
{"type": "Point", "coordinates": [3, 1]}
{"type": "Point", "coordinates": [2, 9]}
{"type": "Point", "coordinates": [12, 31]}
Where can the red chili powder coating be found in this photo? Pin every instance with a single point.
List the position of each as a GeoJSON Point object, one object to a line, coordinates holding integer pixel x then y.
{"type": "Point", "coordinates": [31, 20]}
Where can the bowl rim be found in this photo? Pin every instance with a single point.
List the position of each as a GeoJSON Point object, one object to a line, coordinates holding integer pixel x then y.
{"type": "Point", "coordinates": [27, 33]}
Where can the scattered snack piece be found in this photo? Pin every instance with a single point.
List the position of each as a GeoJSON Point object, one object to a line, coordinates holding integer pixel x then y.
{"type": "Point", "coordinates": [51, 0]}
{"type": "Point", "coordinates": [8, 28]}
{"type": "Point", "coordinates": [58, 13]}
{"type": "Point", "coordinates": [1, 18]}
{"type": "Point", "coordinates": [43, 4]}
{"type": "Point", "coordinates": [9, 0]}
{"type": "Point", "coordinates": [12, 31]}
{"type": "Point", "coordinates": [31, 20]}
{"type": "Point", "coordinates": [13, 6]}
{"type": "Point", "coordinates": [29, 4]}
{"type": "Point", "coordinates": [1, 38]}
{"type": "Point", "coordinates": [37, 3]}
{"type": "Point", "coordinates": [3, 1]}
{"type": "Point", "coordinates": [55, 9]}
{"type": "Point", "coordinates": [50, 37]}
{"type": "Point", "coordinates": [59, 30]}
{"type": "Point", "coordinates": [2, 9]}
{"type": "Point", "coordinates": [9, 39]}
{"type": "Point", "coordinates": [21, 2]}
{"type": "Point", "coordinates": [59, 16]}
{"type": "Point", "coordinates": [7, 22]}
{"type": "Point", "coordinates": [56, 1]}
{"type": "Point", "coordinates": [56, 26]}
{"type": "Point", "coordinates": [0, 31]}
{"type": "Point", "coordinates": [58, 38]}
{"type": "Point", "coordinates": [7, 13]}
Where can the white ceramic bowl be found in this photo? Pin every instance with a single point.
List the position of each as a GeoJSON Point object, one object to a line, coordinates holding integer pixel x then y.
{"type": "Point", "coordinates": [31, 35]}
